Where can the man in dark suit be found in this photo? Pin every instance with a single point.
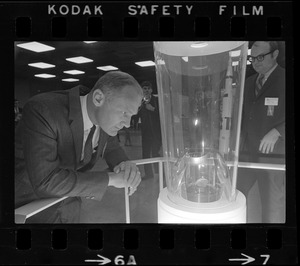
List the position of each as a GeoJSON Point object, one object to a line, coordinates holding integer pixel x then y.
{"type": "Point", "coordinates": [60, 137]}
{"type": "Point", "coordinates": [150, 127]}
{"type": "Point", "coordinates": [263, 130]}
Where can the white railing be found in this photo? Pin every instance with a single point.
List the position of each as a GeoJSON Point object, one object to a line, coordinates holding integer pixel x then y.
{"type": "Point", "coordinates": [158, 160]}
{"type": "Point", "coordinates": [24, 212]}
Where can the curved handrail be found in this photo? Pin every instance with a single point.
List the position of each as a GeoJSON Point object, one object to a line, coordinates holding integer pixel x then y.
{"type": "Point", "coordinates": [24, 212]}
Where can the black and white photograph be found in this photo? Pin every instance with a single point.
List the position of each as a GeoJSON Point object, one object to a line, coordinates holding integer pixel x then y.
{"type": "Point", "coordinates": [159, 132]}
{"type": "Point", "coordinates": [148, 133]}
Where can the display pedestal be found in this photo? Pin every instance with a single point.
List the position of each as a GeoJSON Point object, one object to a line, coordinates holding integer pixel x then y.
{"type": "Point", "coordinates": [218, 212]}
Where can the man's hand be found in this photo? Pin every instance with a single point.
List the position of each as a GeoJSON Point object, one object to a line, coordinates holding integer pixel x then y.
{"type": "Point", "coordinates": [125, 173]}
{"type": "Point", "coordinates": [150, 107]}
{"type": "Point", "coordinates": [268, 142]}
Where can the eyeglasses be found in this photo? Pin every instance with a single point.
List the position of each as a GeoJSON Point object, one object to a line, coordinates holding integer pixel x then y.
{"type": "Point", "coordinates": [259, 58]}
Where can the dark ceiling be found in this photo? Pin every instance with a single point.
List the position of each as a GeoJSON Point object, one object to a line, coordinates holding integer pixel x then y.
{"type": "Point", "coordinates": [122, 55]}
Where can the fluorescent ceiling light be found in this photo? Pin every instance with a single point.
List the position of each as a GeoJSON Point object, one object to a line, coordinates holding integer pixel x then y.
{"type": "Point", "coordinates": [107, 68]}
{"type": "Point", "coordinates": [185, 58]}
{"type": "Point", "coordinates": [74, 72]}
{"type": "Point", "coordinates": [70, 80]}
{"type": "Point", "coordinates": [145, 63]}
{"type": "Point", "coordinates": [235, 53]}
{"type": "Point", "coordinates": [79, 59]}
{"type": "Point", "coordinates": [45, 76]}
{"type": "Point", "coordinates": [89, 42]}
{"type": "Point", "coordinates": [199, 44]}
{"type": "Point", "coordinates": [41, 65]}
{"type": "Point", "coordinates": [36, 47]}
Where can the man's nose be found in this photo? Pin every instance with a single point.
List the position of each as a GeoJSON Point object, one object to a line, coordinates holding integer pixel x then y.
{"type": "Point", "coordinates": [126, 122]}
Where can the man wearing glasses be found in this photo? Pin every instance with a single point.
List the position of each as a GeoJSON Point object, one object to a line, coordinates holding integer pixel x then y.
{"type": "Point", "coordinates": [263, 130]}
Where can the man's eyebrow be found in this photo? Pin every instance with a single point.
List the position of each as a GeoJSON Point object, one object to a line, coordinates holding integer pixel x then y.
{"type": "Point", "coordinates": [260, 54]}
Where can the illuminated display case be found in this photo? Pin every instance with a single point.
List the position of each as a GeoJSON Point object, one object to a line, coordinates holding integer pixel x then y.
{"type": "Point", "coordinates": [200, 89]}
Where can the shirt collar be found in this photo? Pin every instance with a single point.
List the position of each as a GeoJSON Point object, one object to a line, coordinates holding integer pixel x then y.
{"type": "Point", "coordinates": [87, 123]}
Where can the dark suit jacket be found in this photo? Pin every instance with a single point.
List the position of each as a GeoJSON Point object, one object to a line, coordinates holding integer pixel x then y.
{"type": "Point", "coordinates": [256, 122]}
{"type": "Point", "coordinates": [48, 146]}
{"type": "Point", "coordinates": [150, 122]}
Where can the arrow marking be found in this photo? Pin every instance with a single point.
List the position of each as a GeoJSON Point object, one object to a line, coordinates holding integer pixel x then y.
{"type": "Point", "coordinates": [102, 260]}
{"type": "Point", "coordinates": [246, 260]}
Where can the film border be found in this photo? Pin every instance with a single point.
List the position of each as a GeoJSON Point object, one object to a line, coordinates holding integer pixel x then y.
{"type": "Point", "coordinates": [256, 239]}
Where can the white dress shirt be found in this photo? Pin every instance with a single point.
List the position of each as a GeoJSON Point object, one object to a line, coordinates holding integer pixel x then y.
{"type": "Point", "coordinates": [87, 125]}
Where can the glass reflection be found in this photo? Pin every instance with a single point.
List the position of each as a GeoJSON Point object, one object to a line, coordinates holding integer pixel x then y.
{"type": "Point", "coordinates": [199, 178]}
{"type": "Point", "coordinates": [200, 91]}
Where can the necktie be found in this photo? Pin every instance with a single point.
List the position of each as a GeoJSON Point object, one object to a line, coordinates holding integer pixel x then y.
{"type": "Point", "coordinates": [259, 84]}
{"type": "Point", "coordinates": [88, 147]}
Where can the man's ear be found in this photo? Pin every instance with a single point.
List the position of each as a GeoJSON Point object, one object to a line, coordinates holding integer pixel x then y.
{"type": "Point", "coordinates": [98, 98]}
{"type": "Point", "coordinates": [275, 54]}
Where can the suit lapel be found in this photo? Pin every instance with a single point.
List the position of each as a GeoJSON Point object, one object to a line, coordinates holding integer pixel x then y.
{"type": "Point", "coordinates": [252, 91]}
{"type": "Point", "coordinates": [269, 81]}
{"type": "Point", "coordinates": [76, 121]}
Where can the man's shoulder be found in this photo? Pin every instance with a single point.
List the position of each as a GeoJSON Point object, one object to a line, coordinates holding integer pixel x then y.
{"type": "Point", "coordinates": [59, 96]}
{"type": "Point", "coordinates": [279, 70]}
{"type": "Point", "coordinates": [154, 98]}
{"type": "Point", "coordinates": [57, 102]}
{"type": "Point", "coordinates": [47, 98]}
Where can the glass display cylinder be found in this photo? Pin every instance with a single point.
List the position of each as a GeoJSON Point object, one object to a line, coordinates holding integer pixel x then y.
{"type": "Point", "coordinates": [200, 88]}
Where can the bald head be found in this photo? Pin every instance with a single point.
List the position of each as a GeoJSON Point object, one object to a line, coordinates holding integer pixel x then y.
{"type": "Point", "coordinates": [113, 82]}
{"type": "Point", "coordinates": [113, 100]}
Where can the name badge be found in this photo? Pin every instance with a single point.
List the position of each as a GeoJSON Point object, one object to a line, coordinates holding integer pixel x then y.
{"type": "Point", "coordinates": [271, 101]}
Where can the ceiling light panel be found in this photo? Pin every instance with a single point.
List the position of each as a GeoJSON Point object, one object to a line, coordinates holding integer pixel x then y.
{"type": "Point", "coordinates": [36, 47]}
{"type": "Point", "coordinates": [107, 68]}
{"type": "Point", "coordinates": [45, 76]}
{"type": "Point", "coordinates": [145, 63]}
{"type": "Point", "coordinates": [41, 65]}
{"type": "Point", "coordinates": [199, 44]}
{"type": "Point", "coordinates": [88, 42]}
{"type": "Point", "coordinates": [79, 59]}
{"type": "Point", "coordinates": [70, 80]}
{"type": "Point", "coordinates": [74, 72]}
